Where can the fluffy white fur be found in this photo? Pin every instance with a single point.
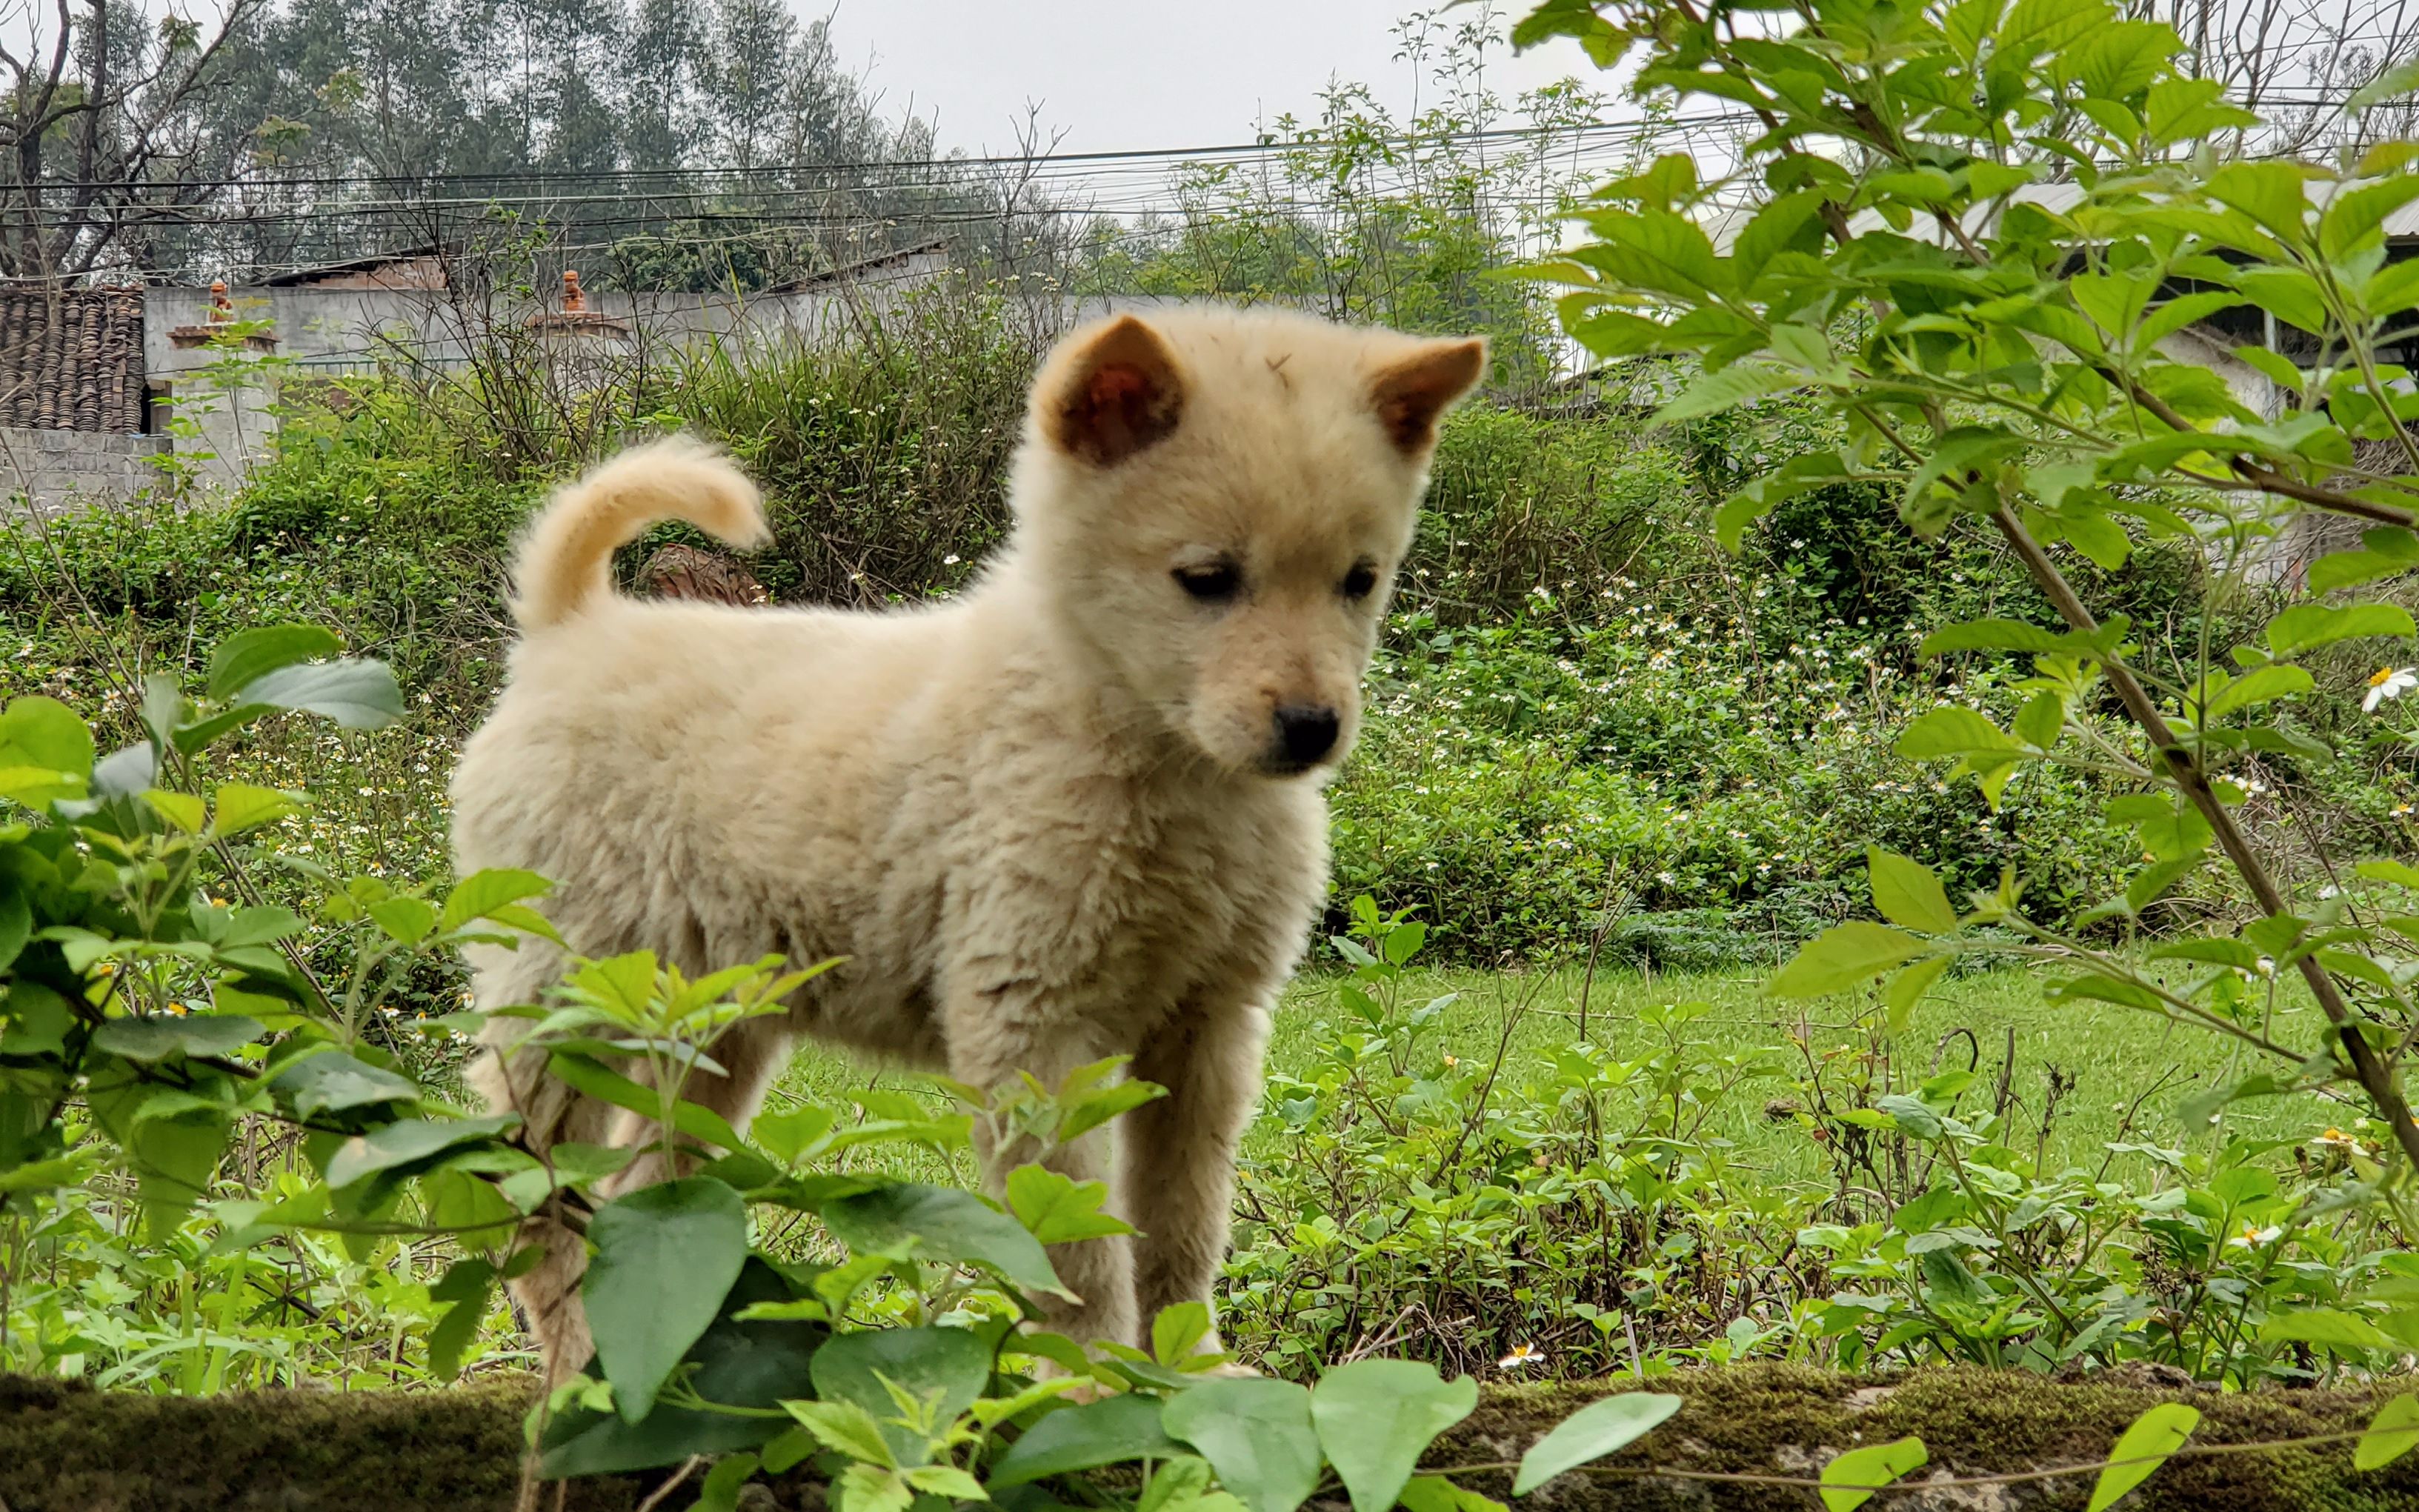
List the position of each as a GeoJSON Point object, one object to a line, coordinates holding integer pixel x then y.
{"type": "Point", "coordinates": [1053, 820]}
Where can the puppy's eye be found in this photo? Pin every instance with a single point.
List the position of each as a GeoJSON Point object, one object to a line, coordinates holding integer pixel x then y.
{"type": "Point", "coordinates": [1358, 581]}
{"type": "Point", "coordinates": [1212, 584]}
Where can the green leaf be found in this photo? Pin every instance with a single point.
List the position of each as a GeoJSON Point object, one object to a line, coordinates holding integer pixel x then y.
{"type": "Point", "coordinates": [163, 707]}
{"type": "Point", "coordinates": [2391, 1433]}
{"type": "Point", "coordinates": [394, 1145]}
{"type": "Point", "coordinates": [1906, 990]}
{"type": "Point", "coordinates": [1659, 250]}
{"type": "Point", "coordinates": [787, 1136]}
{"type": "Point", "coordinates": [2327, 1326]}
{"type": "Point", "coordinates": [16, 925]}
{"type": "Point", "coordinates": [1179, 1332]}
{"type": "Point", "coordinates": [1908, 893]}
{"type": "Point", "coordinates": [720, 1493]}
{"type": "Point", "coordinates": [665, 1257]}
{"type": "Point", "coordinates": [2183, 110]}
{"type": "Point", "coordinates": [159, 1036]}
{"type": "Point", "coordinates": [356, 693]}
{"type": "Point", "coordinates": [1376, 1417]}
{"type": "Point", "coordinates": [2392, 83]}
{"type": "Point", "coordinates": [45, 751]}
{"type": "Point", "coordinates": [1911, 1116]}
{"type": "Point", "coordinates": [403, 918]}
{"type": "Point", "coordinates": [1256, 1434]}
{"type": "Point", "coordinates": [132, 769]}
{"type": "Point", "coordinates": [237, 806]}
{"type": "Point", "coordinates": [1058, 1209]}
{"type": "Point", "coordinates": [2154, 1436]}
{"type": "Point", "coordinates": [594, 1077]}
{"type": "Point", "coordinates": [1735, 385]}
{"type": "Point", "coordinates": [2356, 215]}
{"type": "Point", "coordinates": [480, 894]}
{"type": "Point", "coordinates": [2304, 625]}
{"type": "Point", "coordinates": [34, 1020]}
{"type": "Point", "coordinates": [334, 1082]}
{"type": "Point", "coordinates": [1434, 1493]}
{"type": "Point", "coordinates": [2042, 719]}
{"type": "Point", "coordinates": [174, 1159]}
{"type": "Point", "coordinates": [2385, 553]}
{"type": "Point", "coordinates": [752, 1365]}
{"type": "Point", "coordinates": [1593, 1432]}
{"type": "Point", "coordinates": [1800, 474]}
{"type": "Point", "coordinates": [467, 1284]}
{"type": "Point", "coordinates": [1952, 732]}
{"type": "Point", "coordinates": [249, 655]}
{"type": "Point", "coordinates": [947, 1364]}
{"type": "Point", "coordinates": [2270, 193]}
{"type": "Point", "coordinates": [2262, 684]}
{"type": "Point", "coordinates": [1850, 1480]}
{"type": "Point", "coordinates": [2401, 873]}
{"type": "Point", "coordinates": [1844, 956]}
{"type": "Point", "coordinates": [943, 1224]}
{"type": "Point", "coordinates": [948, 1482]}
{"type": "Point", "coordinates": [845, 1427]}
{"type": "Point", "coordinates": [1086, 1438]}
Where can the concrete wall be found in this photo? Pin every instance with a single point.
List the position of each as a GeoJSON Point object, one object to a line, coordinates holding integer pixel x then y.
{"type": "Point", "coordinates": [56, 470]}
{"type": "Point", "coordinates": [323, 332]}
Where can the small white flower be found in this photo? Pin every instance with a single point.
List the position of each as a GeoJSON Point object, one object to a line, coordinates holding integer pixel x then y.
{"type": "Point", "coordinates": [2389, 683]}
{"type": "Point", "coordinates": [2252, 1237]}
{"type": "Point", "coordinates": [2338, 1139]}
{"type": "Point", "coordinates": [1522, 1357]}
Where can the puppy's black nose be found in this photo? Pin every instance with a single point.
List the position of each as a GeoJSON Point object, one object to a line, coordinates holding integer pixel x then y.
{"type": "Point", "coordinates": [1305, 733]}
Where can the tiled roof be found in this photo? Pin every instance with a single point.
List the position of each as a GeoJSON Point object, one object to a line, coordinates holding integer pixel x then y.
{"type": "Point", "coordinates": [71, 359]}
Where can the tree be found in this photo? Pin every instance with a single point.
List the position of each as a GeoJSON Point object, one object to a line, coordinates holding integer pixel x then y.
{"type": "Point", "coordinates": [1969, 230]}
{"type": "Point", "coordinates": [105, 128]}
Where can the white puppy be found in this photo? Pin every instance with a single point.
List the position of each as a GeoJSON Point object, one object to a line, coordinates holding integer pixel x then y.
{"type": "Point", "coordinates": [1072, 813]}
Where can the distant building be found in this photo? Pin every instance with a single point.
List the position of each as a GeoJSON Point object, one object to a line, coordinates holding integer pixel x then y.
{"type": "Point", "coordinates": [75, 406]}
{"type": "Point", "coordinates": [416, 267]}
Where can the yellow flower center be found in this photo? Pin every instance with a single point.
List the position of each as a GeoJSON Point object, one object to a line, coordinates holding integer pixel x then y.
{"type": "Point", "coordinates": [2383, 673]}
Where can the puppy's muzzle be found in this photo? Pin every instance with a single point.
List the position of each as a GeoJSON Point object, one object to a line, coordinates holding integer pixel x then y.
{"type": "Point", "coordinates": [1303, 736]}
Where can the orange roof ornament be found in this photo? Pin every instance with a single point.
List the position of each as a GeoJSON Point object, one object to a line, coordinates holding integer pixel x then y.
{"type": "Point", "coordinates": [213, 328]}
{"type": "Point", "coordinates": [576, 318]}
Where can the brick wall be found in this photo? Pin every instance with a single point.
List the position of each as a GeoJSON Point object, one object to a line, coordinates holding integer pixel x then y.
{"type": "Point", "coordinates": [59, 469]}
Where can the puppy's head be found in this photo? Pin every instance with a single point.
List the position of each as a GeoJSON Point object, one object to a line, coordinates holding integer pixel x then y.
{"type": "Point", "coordinates": [1215, 502]}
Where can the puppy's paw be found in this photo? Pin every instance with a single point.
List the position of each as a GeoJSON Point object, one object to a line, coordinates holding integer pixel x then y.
{"type": "Point", "coordinates": [1232, 1370]}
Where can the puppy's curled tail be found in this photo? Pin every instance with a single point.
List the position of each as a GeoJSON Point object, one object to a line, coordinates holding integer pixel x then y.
{"type": "Point", "coordinates": [565, 561]}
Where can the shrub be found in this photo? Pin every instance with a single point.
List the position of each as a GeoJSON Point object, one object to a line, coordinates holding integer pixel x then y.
{"type": "Point", "coordinates": [1520, 783]}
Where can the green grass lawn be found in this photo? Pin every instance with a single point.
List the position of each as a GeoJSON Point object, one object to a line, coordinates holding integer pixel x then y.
{"type": "Point", "coordinates": [2129, 1070]}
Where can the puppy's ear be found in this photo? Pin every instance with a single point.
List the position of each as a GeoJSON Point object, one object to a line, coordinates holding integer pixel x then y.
{"type": "Point", "coordinates": [1413, 393]}
{"type": "Point", "coordinates": [1113, 393]}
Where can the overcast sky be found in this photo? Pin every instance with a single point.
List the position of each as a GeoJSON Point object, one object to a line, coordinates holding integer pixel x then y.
{"type": "Point", "coordinates": [1143, 74]}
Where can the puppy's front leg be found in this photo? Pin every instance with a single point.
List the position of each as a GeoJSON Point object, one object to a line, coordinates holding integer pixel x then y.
{"type": "Point", "coordinates": [1176, 1156]}
{"type": "Point", "coordinates": [993, 1036]}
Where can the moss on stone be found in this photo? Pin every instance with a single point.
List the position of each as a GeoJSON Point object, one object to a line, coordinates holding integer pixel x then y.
{"type": "Point", "coordinates": [65, 1448]}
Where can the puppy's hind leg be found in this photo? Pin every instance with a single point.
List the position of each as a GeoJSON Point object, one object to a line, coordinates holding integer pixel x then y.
{"type": "Point", "coordinates": [991, 1039]}
{"type": "Point", "coordinates": [752, 1054]}
{"type": "Point", "coordinates": [548, 1294]}
{"type": "Point", "coordinates": [1176, 1156]}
